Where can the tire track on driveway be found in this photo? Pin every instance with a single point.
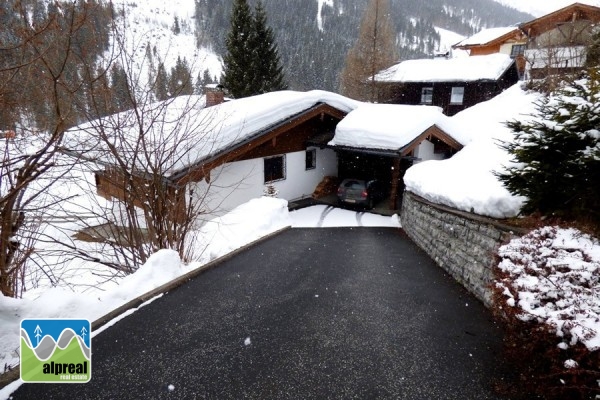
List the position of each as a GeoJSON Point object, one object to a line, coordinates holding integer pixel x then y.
{"type": "Point", "coordinates": [324, 214]}
{"type": "Point", "coordinates": [359, 216]}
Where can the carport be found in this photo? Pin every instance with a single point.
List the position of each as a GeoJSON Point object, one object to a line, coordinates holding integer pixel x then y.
{"type": "Point", "coordinates": [381, 141]}
{"type": "Point", "coordinates": [386, 166]}
{"type": "Point", "coordinates": [389, 165]}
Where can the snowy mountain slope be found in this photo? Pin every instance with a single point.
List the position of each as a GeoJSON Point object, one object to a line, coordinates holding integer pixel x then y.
{"type": "Point", "coordinates": [541, 7]}
{"type": "Point", "coordinates": [447, 39]}
{"type": "Point", "coordinates": [322, 3]}
{"type": "Point", "coordinates": [152, 23]}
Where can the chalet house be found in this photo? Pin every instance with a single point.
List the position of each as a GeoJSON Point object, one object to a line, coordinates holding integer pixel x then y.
{"type": "Point", "coordinates": [452, 84]}
{"type": "Point", "coordinates": [504, 40]}
{"type": "Point", "coordinates": [229, 153]}
{"type": "Point", "coordinates": [551, 44]}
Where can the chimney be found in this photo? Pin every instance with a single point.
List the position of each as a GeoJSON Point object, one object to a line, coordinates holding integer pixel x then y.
{"type": "Point", "coordinates": [214, 94]}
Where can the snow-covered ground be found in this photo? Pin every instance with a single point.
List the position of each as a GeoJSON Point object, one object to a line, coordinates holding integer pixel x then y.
{"type": "Point", "coordinates": [220, 236]}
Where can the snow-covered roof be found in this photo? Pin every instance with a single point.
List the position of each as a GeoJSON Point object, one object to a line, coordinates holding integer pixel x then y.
{"type": "Point", "coordinates": [486, 36]}
{"type": "Point", "coordinates": [464, 69]}
{"type": "Point", "coordinates": [389, 126]}
{"type": "Point", "coordinates": [191, 132]}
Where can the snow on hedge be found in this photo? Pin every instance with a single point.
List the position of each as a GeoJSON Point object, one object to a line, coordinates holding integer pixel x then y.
{"type": "Point", "coordinates": [553, 277]}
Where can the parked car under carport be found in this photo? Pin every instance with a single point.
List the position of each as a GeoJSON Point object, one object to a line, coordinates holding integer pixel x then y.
{"type": "Point", "coordinates": [359, 192]}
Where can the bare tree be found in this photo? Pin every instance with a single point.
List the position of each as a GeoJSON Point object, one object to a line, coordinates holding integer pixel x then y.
{"type": "Point", "coordinates": [127, 158]}
{"type": "Point", "coordinates": [93, 189]}
{"type": "Point", "coordinates": [38, 58]}
{"type": "Point", "coordinates": [374, 51]}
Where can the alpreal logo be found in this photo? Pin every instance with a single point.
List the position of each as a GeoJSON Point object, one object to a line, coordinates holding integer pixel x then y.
{"type": "Point", "coordinates": [56, 350]}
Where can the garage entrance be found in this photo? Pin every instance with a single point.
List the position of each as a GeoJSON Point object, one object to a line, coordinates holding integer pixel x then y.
{"type": "Point", "coordinates": [387, 167]}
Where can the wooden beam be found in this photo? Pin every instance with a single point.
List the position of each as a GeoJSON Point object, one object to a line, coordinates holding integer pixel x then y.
{"type": "Point", "coordinates": [433, 131]}
{"type": "Point", "coordinates": [394, 189]}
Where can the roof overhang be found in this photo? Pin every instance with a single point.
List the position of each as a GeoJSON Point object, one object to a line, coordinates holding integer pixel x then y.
{"type": "Point", "coordinates": [203, 167]}
{"type": "Point", "coordinates": [432, 131]}
{"type": "Point", "coordinates": [403, 152]}
{"type": "Point", "coordinates": [515, 34]}
{"type": "Point", "coordinates": [573, 12]}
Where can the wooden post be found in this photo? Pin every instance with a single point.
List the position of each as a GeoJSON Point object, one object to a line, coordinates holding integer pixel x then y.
{"type": "Point", "coordinates": [395, 177]}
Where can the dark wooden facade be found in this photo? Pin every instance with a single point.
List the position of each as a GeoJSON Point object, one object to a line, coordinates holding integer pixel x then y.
{"type": "Point", "coordinates": [166, 198]}
{"type": "Point", "coordinates": [474, 91]}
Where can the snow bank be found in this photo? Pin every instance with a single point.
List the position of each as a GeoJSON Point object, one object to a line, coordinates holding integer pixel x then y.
{"type": "Point", "coordinates": [553, 277]}
{"type": "Point", "coordinates": [467, 181]}
{"type": "Point", "coordinates": [61, 303]}
{"type": "Point", "coordinates": [244, 224]}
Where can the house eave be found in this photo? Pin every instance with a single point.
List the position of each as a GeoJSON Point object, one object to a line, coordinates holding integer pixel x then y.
{"type": "Point", "coordinates": [182, 176]}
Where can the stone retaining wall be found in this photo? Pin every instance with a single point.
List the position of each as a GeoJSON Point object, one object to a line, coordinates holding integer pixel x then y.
{"type": "Point", "coordinates": [461, 243]}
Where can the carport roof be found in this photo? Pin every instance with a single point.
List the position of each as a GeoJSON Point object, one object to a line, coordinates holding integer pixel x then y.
{"type": "Point", "coordinates": [394, 129]}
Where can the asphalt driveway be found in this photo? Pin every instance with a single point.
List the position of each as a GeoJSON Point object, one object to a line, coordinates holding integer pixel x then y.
{"type": "Point", "coordinates": [310, 314]}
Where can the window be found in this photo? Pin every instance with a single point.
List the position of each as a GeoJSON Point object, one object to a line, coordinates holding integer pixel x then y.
{"type": "Point", "coordinates": [458, 92]}
{"type": "Point", "coordinates": [311, 159]}
{"type": "Point", "coordinates": [427, 95]}
{"type": "Point", "coordinates": [274, 169]}
{"type": "Point", "coordinates": [517, 50]}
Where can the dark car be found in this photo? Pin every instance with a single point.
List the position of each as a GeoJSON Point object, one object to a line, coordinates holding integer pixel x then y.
{"type": "Point", "coordinates": [360, 192]}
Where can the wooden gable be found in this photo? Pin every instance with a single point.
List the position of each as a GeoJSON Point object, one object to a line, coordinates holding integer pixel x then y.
{"type": "Point", "coordinates": [493, 46]}
{"type": "Point", "coordinates": [433, 131]}
{"type": "Point", "coordinates": [569, 14]}
{"type": "Point", "coordinates": [289, 135]}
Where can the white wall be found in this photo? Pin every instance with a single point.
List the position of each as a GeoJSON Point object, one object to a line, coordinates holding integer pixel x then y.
{"type": "Point", "coordinates": [506, 48]}
{"type": "Point", "coordinates": [236, 183]}
{"type": "Point", "coordinates": [425, 152]}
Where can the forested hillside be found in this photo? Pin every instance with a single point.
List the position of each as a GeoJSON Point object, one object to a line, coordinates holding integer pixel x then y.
{"type": "Point", "coordinates": [41, 38]}
{"type": "Point", "coordinates": [314, 35]}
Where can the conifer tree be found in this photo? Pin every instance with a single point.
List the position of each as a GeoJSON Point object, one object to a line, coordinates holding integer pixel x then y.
{"type": "Point", "coordinates": [592, 58]}
{"type": "Point", "coordinates": [557, 154]}
{"type": "Point", "coordinates": [121, 91]}
{"type": "Point", "coordinates": [176, 27]}
{"type": "Point", "coordinates": [374, 51]}
{"type": "Point", "coordinates": [252, 63]}
{"type": "Point", "coordinates": [238, 59]}
{"type": "Point", "coordinates": [268, 72]}
{"type": "Point", "coordinates": [161, 90]}
{"type": "Point", "coordinates": [180, 80]}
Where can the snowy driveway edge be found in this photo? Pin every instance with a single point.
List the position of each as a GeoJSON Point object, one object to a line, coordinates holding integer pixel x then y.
{"type": "Point", "coordinates": [13, 375]}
